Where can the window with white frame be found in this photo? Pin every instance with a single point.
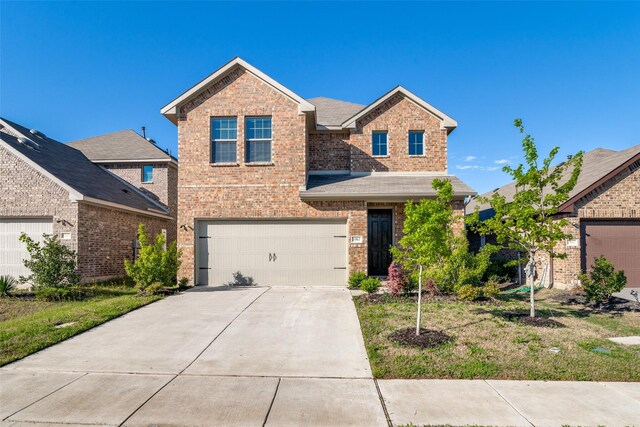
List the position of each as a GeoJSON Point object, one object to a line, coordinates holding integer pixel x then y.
{"type": "Point", "coordinates": [224, 137]}
{"type": "Point", "coordinates": [416, 143]}
{"type": "Point", "coordinates": [258, 139]}
{"type": "Point", "coordinates": [379, 143]}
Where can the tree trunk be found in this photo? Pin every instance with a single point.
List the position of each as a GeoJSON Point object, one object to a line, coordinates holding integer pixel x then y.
{"type": "Point", "coordinates": [531, 270]}
{"type": "Point", "coordinates": [419, 302]}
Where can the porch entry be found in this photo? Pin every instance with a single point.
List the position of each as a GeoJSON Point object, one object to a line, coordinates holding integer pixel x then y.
{"type": "Point", "coordinates": [380, 239]}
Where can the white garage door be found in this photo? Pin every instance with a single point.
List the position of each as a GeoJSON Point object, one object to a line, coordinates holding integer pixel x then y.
{"type": "Point", "coordinates": [12, 251]}
{"type": "Point", "coordinates": [272, 253]}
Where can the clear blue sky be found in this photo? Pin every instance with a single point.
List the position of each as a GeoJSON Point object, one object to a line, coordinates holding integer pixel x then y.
{"type": "Point", "coordinates": [570, 70]}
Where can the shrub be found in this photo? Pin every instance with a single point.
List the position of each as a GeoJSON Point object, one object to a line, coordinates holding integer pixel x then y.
{"type": "Point", "coordinates": [490, 290]}
{"type": "Point", "coordinates": [356, 278]}
{"type": "Point", "coordinates": [501, 269]}
{"type": "Point", "coordinates": [370, 285]}
{"type": "Point", "coordinates": [397, 280]}
{"type": "Point", "coordinates": [7, 285]}
{"type": "Point", "coordinates": [462, 267]}
{"type": "Point", "coordinates": [183, 283]}
{"type": "Point", "coordinates": [469, 292]}
{"type": "Point", "coordinates": [603, 281]}
{"type": "Point", "coordinates": [154, 289]}
{"type": "Point", "coordinates": [50, 293]}
{"type": "Point", "coordinates": [154, 263]}
{"type": "Point", "coordinates": [52, 264]}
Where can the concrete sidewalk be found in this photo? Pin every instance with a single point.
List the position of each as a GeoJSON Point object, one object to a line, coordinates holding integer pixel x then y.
{"type": "Point", "coordinates": [269, 356]}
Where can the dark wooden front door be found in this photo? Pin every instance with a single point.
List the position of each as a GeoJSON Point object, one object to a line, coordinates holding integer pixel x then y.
{"type": "Point", "coordinates": [380, 239]}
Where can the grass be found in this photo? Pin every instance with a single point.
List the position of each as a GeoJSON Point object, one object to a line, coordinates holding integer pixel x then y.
{"type": "Point", "coordinates": [28, 325]}
{"type": "Point", "coordinates": [487, 344]}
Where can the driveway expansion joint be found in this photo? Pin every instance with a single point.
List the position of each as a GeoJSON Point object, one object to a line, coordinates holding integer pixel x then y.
{"type": "Point", "coordinates": [384, 405]}
{"type": "Point", "coordinates": [275, 393]}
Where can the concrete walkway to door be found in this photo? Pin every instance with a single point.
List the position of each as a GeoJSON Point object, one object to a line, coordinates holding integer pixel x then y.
{"type": "Point", "coordinates": [260, 356]}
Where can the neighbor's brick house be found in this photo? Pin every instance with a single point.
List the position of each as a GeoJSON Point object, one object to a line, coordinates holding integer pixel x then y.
{"type": "Point", "coordinates": [49, 187]}
{"type": "Point", "coordinates": [285, 190]}
{"type": "Point", "coordinates": [604, 215]}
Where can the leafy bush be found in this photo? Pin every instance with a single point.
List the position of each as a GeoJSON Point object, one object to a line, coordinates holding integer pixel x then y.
{"type": "Point", "coordinates": [501, 269]}
{"type": "Point", "coordinates": [370, 285]}
{"type": "Point", "coordinates": [183, 283]}
{"type": "Point", "coordinates": [396, 281]}
{"type": "Point", "coordinates": [469, 292]}
{"type": "Point", "coordinates": [603, 281]}
{"type": "Point", "coordinates": [52, 264]}
{"type": "Point", "coordinates": [356, 278]}
{"type": "Point", "coordinates": [154, 263]}
{"type": "Point", "coordinates": [50, 293]}
{"type": "Point", "coordinates": [154, 288]}
{"type": "Point", "coordinates": [490, 290]}
{"type": "Point", "coordinates": [7, 285]}
{"type": "Point", "coordinates": [462, 267]}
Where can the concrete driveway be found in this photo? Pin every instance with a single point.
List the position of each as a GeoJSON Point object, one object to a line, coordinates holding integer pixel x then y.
{"type": "Point", "coordinates": [211, 356]}
{"type": "Point", "coordinates": [269, 356]}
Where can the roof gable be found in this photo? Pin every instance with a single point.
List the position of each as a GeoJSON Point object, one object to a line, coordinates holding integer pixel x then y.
{"type": "Point", "coordinates": [598, 166]}
{"type": "Point", "coordinates": [170, 111]}
{"type": "Point", "coordinates": [74, 172]}
{"type": "Point", "coordinates": [124, 145]}
{"type": "Point", "coordinates": [447, 122]}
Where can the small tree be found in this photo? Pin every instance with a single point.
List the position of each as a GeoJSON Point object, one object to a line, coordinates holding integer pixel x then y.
{"type": "Point", "coordinates": [154, 264]}
{"type": "Point", "coordinates": [428, 236]}
{"type": "Point", "coordinates": [528, 223]}
{"type": "Point", "coordinates": [51, 263]}
{"type": "Point", "coordinates": [603, 281]}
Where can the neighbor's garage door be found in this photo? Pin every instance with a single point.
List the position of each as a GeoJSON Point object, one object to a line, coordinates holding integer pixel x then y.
{"type": "Point", "coordinates": [12, 251]}
{"type": "Point", "coordinates": [272, 253]}
{"type": "Point", "coordinates": [618, 241]}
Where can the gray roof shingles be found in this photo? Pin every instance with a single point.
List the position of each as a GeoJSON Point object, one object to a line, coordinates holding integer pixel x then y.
{"type": "Point", "coordinates": [596, 165]}
{"type": "Point", "coordinates": [378, 185]}
{"type": "Point", "coordinates": [333, 112]}
{"type": "Point", "coordinates": [118, 146]}
{"type": "Point", "coordinates": [77, 171]}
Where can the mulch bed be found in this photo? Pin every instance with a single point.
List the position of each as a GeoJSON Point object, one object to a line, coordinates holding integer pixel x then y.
{"type": "Point", "coordinates": [543, 322]}
{"type": "Point", "coordinates": [427, 338]}
{"type": "Point", "coordinates": [613, 305]}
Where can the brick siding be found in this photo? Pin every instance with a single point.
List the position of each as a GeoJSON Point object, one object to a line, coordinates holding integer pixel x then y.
{"type": "Point", "coordinates": [209, 191]}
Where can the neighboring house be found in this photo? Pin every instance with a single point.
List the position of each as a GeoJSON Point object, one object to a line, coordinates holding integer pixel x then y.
{"type": "Point", "coordinates": [49, 187]}
{"type": "Point", "coordinates": [604, 212]}
{"type": "Point", "coordinates": [140, 162]}
{"type": "Point", "coordinates": [275, 189]}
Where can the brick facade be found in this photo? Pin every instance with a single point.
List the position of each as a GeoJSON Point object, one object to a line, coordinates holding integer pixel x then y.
{"type": "Point", "coordinates": [101, 236]}
{"type": "Point", "coordinates": [616, 199]}
{"type": "Point", "coordinates": [240, 190]}
{"type": "Point", "coordinates": [163, 189]}
{"type": "Point", "coordinates": [398, 116]}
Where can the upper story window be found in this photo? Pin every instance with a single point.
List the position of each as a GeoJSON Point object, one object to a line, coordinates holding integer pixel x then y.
{"type": "Point", "coordinates": [379, 144]}
{"type": "Point", "coordinates": [224, 136]}
{"type": "Point", "coordinates": [258, 139]}
{"type": "Point", "coordinates": [147, 173]}
{"type": "Point", "coordinates": [416, 143]}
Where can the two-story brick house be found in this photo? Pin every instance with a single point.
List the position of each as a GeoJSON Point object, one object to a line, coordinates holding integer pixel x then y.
{"type": "Point", "coordinates": [274, 189]}
{"type": "Point", "coordinates": [140, 162]}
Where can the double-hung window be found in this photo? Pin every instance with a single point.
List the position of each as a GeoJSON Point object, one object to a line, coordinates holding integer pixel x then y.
{"type": "Point", "coordinates": [416, 143]}
{"type": "Point", "coordinates": [379, 143]}
{"type": "Point", "coordinates": [147, 173]}
{"type": "Point", "coordinates": [258, 139]}
{"type": "Point", "coordinates": [224, 135]}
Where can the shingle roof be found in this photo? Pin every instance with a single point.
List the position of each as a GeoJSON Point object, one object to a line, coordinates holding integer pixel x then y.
{"type": "Point", "coordinates": [72, 168]}
{"type": "Point", "coordinates": [333, 112]}
{"type": "Point", "coordinates": [596, 165]}
{"type": "Point", "coordinates": [378, 186]}
{"type": "Point", "coordinates": [118, 146]}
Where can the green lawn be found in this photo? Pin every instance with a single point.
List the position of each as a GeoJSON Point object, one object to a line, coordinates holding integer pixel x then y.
{"type": "Point", "coordinates": [486, 344]}
{"type": "Point", "coordinates": [28, 325]}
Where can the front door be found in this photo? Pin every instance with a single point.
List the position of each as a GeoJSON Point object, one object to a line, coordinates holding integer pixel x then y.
{"type": "Point", "coordinates": [380, 239]}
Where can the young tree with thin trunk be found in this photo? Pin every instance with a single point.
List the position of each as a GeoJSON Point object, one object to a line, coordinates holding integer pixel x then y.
{"type": "Point", "coordinates": [529, 223]}
{"type": "Point", "coordinates": [428, 236]}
